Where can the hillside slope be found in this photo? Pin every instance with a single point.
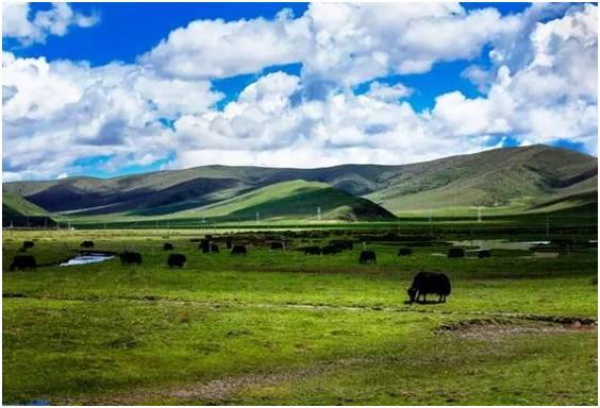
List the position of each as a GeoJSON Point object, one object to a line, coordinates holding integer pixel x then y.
{"type": "Point", "coordinates": [297, 199]}
{"type": "Point", "coordinates": [532, 178]}
{"type": "Point", "coordinates": [18, 212]}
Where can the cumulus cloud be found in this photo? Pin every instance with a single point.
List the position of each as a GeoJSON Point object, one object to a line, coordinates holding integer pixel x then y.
{"type": "Point", "coordinates": [338, 43]}
{"type": "Point", "coordinates": [59, 112]}
{"type": "Point", "coordinates": [552, 95]}
{"type": "Point", "coordinates": [541, 87]}
{"type": "Point", "coordinates": [28, 27]}
{"type": "Point", "coordinates": [215, 48]}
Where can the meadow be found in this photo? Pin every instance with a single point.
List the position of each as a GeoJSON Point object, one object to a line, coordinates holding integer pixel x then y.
{"type": "Point", "coordinates": [281, 327]}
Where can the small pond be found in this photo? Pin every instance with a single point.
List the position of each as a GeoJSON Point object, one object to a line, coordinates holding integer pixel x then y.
{"type": "Point", "coordinates": [87, 258]}
{"type": "Point", "coordinates": [499, 244]}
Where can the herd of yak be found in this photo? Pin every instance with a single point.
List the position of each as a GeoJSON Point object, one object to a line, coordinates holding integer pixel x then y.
{"type": "Point", "coordinates": [424, 283]}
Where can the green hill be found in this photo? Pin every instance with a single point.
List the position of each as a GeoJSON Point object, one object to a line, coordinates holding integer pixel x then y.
{"type": "Point", "coordinates": [19, 212]}
{"type": "Point", "coordinates": [296, 199]}
{"type": "Point", "coordinates": [504, 181]}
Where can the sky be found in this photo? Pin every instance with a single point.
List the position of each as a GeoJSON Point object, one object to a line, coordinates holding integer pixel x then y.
{"type": "Point", "coordinates": [108, 89]}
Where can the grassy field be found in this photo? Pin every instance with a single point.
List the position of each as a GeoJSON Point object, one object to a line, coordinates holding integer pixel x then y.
{"type": "Point", "coordinates": [285, 328]}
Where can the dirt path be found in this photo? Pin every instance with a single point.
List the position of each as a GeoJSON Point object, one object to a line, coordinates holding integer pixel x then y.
{"type": "Point", "coordinates": [225, 390]}
{"type": "Point", "coordinates": [219, 392]}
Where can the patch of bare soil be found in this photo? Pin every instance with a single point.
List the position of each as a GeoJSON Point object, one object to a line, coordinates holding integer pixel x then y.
{"type": "Point", "coordinates": [494, 330]}
{"type": "Point", "coordinates": [216, 392]}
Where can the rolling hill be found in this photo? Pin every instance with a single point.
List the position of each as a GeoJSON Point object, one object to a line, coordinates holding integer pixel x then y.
{"type": "Point", "coordinates": [296, 199]}
{"type": "Point", "coordinates": [19, 212]}
{"type": "Point", "coordinates": [525, 179]}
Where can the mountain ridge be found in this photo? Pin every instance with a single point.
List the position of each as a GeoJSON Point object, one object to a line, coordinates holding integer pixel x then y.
{"type": "Point", "coordinates": [519, 177]}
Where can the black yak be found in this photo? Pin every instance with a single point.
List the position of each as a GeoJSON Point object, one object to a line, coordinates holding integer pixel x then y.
{"type": "Point", "coordinates": [367, 257]}
{"type": "Point", "coordinates": [277, 245]}
{"type": "Point", "coordinates": [229, 243]}
{"type": "Point", "coordinates": [87, 244]}
{"type": "Point", "coordinates": [204, 246]}
{"type": "Point", "coordinates": [27, 245]}
{"type": "Point", "coordinates": [456, 252]}
{"type": "Point", "coordinates": [130, 258]}
{"type": "Point", "coordinates": [214, 248]}
{"type": "Point", "coordinates": [167, 246]}
{"type": "Point", "coordinates": [176, 260]}
{"type": "Point", "coordinates": [425, 283]}
{"type": "Point", "coordinates": [330, 250]}
{"type": "Point", "coordinates": [484, 253]}
{"type": "Point", "coordinates": [311, 250]}
{"type": "Point", "coordinates": [23, 262]}
{"type": "Point", "coordinates": [239, 250]}
{"type": "Point", "coordinates": [342, 245]}
{"type": "Point", "coordinates": [404, 252]}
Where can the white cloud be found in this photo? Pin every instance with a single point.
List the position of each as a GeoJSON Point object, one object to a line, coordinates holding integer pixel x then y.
{"type": "Point", "coordinates": [388, 93]}
{"type": "Point", "coordinates": [28, 27]}
{"type": "Point", "coordinates": [552, 95]}
{"type": "Point", "coordinates": [339, 43]}
{"type": "Point", "coordinates": [215, 48]}
{"type": "Point", "coordinates": [541, 89]}
{"type": "Point", "coordinates": [61, 111]}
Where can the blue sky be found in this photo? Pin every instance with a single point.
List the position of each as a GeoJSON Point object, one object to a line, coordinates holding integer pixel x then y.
{"type": "Point", "coordinates": [105, 89]}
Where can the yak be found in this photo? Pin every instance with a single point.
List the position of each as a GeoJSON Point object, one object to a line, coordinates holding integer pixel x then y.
{"type": "Point", "coordinates": [23, 262]}
{"type": "Point", "coordinates": [330, 250]}
{"type": "Point", "coordinates": [27, 245]}
{"type": "Point", "coordinates": [229, 243]}
{"type": "Point", "coordinates": [342, 244]}
{"type": "Point", "coordinates": [277, 245]}
{"type": "Point", "coordinates": [239, 250]}
{"type": "Point", "coordinates": [456, 252]}
{"type": "Point", "coordinates": [484, 253]}
{"type": "Point", "coordinates": [176, 260]}
{"type": "Point", "coordinates": [367, 257]}
{"type": "Point", "coordinates": [425, 283]}
{"type": "Point", "coordinates": [404, 252]}
{"type": "Point", "coordinates": [87, 244]}
{"type": "Point", "coordinates": [214, 248]}
{"type": "Point", "coordinates": [311, 250]}
{"type": "Point", "coordinates": [204, 246]}
{"type": "Point", "coordinates": [130, 258]}
{"type": "Point", "coordinates": [167, 246]}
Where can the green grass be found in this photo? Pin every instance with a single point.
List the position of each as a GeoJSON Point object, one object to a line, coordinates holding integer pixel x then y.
{"type": "Point", "coordinates": [284, 328]}
{"type": "Point", "coordinates": [507, 181]}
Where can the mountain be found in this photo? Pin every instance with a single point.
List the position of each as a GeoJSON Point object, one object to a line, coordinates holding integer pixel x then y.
{"type": "Point", "coordinates": [533, 178]}
{"type": "Point", "coordinates": [297, 199]}
{"type": "Point", "coordinates": [19, 212]}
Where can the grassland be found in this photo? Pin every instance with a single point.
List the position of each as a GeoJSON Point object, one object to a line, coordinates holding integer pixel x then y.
{"type": "Point", "coordinates": [284, 328]}
{"type": "Point", "coordinates": [505, 181]}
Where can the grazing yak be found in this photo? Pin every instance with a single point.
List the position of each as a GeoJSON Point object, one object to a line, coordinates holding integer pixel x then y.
{"type": "Point", "coordinates": [311, 250]}
{"type": "Point", "coordinates": [277, 245]}
{"type": "Point", "coordinates": [330, 250]}
{"type": "Point", "coordinates": [204, 246]}
{"type": "Point", "coordinates": [27, 245]}
{"type": "Point", "coordinates": [214, 248]}
{"type": "Point", "coordinates": [484, 253]}
{"type": "Point", "coordinates": [425, 283]}
{"type": "Point", "coordinates": [130, 258]}
{"type": "Point", "coordinates": [87, 244]}
{"type": "Point", "coordinates": [23, 262]}
{"type": "Point", "coordinates": [176, 260]}
{"type": "Point", "coordinates": [456, 252]}
{"type": "Point", "coordinates": [167, 246]}
{"type": "Point", "coordinates": [367, 257]}
{"type": "Point", "coordinates": [342, 244]}
{"type": "Point", "coordinates": [404, 252]}
{"type": "Point", "coordinates": [239, 250]}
